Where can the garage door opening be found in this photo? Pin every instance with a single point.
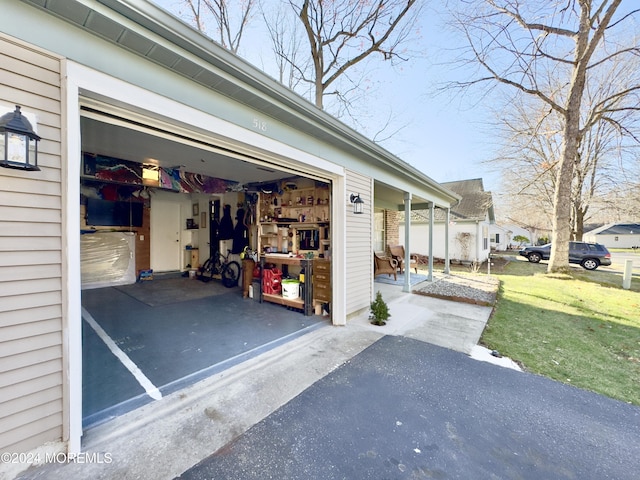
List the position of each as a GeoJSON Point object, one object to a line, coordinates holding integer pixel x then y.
{"type": "Point", "coordinates": [154, 209]}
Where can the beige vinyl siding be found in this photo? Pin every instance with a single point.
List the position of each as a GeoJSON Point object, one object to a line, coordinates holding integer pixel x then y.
{"type": "Point", "coordinates": [359, 244]}
{"type": "Point", "coordinates": [31, 340]}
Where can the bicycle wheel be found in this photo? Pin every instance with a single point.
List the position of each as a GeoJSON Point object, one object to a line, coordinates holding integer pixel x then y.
{"type": "Point", "coordinates": [231, 274]}
{"type": "Point", "coordinates": [206, 271]}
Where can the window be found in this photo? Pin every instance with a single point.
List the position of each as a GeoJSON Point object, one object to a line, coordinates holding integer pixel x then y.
{"type": "Point", "coordinates": [578, 246]}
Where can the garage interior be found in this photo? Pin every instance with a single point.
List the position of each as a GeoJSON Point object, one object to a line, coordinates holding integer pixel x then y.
{"type": "Point", "coordinates": [155, 205]}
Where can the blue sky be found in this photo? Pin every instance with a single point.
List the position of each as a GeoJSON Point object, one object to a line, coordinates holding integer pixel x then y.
{"type": "Point", "coordinates": [444, 135]}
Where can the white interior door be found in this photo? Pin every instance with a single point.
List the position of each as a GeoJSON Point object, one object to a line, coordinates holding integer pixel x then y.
{"type": "Point", "coordinates": [165, 235]}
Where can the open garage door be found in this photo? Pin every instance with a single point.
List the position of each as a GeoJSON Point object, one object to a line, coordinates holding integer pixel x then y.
{"type": "Point", "coordinates": [157, 182]}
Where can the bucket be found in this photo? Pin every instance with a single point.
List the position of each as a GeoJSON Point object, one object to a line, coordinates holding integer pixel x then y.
{"type": "Point", "coordinates": [290, 288]}
{"type": "Point", "coordinates": [192, 273]}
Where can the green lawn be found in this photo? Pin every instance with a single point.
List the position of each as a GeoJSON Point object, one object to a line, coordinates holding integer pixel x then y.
{"type": "Point", "coordinates": [582, 329]}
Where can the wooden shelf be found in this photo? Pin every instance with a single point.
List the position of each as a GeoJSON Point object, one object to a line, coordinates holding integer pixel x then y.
{"type": "Point", "coordinates": [282, 259]}
{"type": "Point", "coordinates": [304, 302]}
{"type": "Point", "coordinates": [297, 224]}
{"type": "Point", "coordinates": [280, 300]}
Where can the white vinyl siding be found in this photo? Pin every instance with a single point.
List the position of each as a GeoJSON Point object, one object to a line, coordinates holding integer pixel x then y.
{"type": "Point", "coordinates": [31, 378]}
{"type": "Point", "coordinates": [359, 253]}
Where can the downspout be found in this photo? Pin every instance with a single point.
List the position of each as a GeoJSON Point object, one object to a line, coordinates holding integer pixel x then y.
{"type": "Point", "coordinates": [407, 246]}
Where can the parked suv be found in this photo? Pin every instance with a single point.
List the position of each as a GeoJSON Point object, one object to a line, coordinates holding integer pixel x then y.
{"type": "Point", "coordinates": [589, 255]}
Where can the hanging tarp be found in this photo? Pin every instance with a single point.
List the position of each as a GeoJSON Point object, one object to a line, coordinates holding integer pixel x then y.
{"type": "Point", "coordinates": [110, 169]}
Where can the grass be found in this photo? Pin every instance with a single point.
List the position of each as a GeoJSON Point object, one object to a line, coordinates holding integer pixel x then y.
{"type": "Point", "coordinates": [582, 328]}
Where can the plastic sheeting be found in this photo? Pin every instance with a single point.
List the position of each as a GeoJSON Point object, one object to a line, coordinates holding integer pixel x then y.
{"type": "Point", "coordinates": [107, 259]}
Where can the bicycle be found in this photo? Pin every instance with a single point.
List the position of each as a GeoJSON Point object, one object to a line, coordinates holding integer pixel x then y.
{"type": "Point", "coordinates": [229, 271]}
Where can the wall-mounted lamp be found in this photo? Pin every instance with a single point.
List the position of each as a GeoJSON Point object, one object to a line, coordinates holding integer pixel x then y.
{"type": "Point", "coordinates": [358, 203]}
{"type": "Point", "coordinates": [18, 142]}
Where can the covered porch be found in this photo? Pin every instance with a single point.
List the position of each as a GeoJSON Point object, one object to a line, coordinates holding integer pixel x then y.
{"type": "Point", "coordinates": [389, 201]}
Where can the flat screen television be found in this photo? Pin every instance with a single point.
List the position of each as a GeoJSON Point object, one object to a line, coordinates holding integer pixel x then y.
{"type": "Point", "coordinates": [113, 214]}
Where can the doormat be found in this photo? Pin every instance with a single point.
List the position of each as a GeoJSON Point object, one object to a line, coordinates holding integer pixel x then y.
{"type": "Point", "coordinates": [165, 291]}
{"type": "Point", "coordinates": [414, 279]}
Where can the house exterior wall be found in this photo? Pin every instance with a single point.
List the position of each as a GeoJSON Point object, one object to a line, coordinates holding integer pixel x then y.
{"type": "Point", "coordinates": [614, 241]}
{"type": "Point", "coordinates": [519, 231]}
{"type": "Point", "coordinates": [359, 244]}
{"type": "Point", "coordinates": [500, 238]}
{"type": "Point", "coordinates": [31, 259]}
{"type": "Point", "coordinates": [466, 240]}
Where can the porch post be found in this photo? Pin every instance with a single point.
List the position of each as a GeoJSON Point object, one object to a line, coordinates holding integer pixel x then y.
{"type": "Point", "coordinates": [431, 215]}
{"type": "Point", "coordinates": [407, 245]}
{"type": "Point", "coordinates": [478, 241]}
{"type": "Point", "coordinates": [446, 241]}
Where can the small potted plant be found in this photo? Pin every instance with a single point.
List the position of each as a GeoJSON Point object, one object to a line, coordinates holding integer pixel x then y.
{"type": "Point", "coordinates": [379, 311]}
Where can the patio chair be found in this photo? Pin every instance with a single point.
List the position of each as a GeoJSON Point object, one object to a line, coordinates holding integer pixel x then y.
{"type": "Point", "coordinates": [397, 253]}
{"type": "Point", "coordinates": [383, 264]}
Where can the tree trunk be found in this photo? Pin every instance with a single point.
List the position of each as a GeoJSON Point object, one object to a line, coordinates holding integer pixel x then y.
{"type": "Point", "coordinates": [560, 235]}
{"type": "Point", "coordinates": [578, 221]}
{"type": "Point", "coordinates": [319, 91]}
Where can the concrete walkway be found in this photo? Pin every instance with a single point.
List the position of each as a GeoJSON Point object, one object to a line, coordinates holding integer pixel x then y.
{"type": "Point", "coordinates": [454, 325]}
{"type": "Point", "coordinates": [163, 439]}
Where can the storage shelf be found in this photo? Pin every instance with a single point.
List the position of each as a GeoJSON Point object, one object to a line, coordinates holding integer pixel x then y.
{"type": "Point", "coordinates": [297, 224]}
{"type": "Point", "coordinates": [280, 300]}
{"type": "Point", "coordinates": [302, 303]}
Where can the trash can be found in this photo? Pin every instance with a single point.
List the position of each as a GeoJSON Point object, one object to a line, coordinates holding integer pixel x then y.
{"type": "Point", "coordinates": [255, 287]}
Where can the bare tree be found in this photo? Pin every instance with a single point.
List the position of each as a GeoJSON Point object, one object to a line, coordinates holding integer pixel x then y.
{"type": "Point", "coordinates": [230, 22]}
{"type": "Point", "coordinates": [286, 41]}
{"type": "Point", "coordinates": [526, 161]}
{"type": "Point", "coordinates": [532, 137]}
{"type": "Point", "coordinates": [522, 43]}
{"type": "Point", "coordinates": [343, 33]}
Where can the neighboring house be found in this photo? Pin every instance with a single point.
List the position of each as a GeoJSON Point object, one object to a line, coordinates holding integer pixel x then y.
{"type": "Point", "coordinates": [516, 230]}
{"type": "Point", "coordinates": [499, 237]}
{"type": "Point", "coordinates": [467, 227]}
{"type": "Point", "coordinates": [136, 108]}
{"type": "Point", "coordinates": [532, 233]}
{"type": "Point", "coordinates": [615, 235]}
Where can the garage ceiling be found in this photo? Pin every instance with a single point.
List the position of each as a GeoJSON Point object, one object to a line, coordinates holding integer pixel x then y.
{"type": "Point", "coordinates": [138, 146]}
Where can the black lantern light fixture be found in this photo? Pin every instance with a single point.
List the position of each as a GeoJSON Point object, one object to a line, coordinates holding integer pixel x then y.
{"type": "Point", "coordinates": [18, 142]}
{"type": "Point", "coordinates": [358, 203]}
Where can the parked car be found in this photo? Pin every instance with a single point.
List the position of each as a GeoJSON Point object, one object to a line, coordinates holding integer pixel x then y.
{"type": "Point", "coordinates": [589, 255]}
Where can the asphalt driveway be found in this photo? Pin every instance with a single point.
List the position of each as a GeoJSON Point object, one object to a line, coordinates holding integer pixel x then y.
{"type": "Point", "coordinates": [403, 408]}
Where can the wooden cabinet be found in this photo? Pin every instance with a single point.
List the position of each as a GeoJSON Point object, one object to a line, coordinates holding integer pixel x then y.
{"type": "Point", "coordinates": [191, 258]}
{"type": "Point", "coordinates": [248, 265]}
{"type": "Point", "coordinates": [321, 281]}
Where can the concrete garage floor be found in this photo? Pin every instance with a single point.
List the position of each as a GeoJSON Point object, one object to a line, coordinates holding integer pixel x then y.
{"type": "Point", "coordinates": [176, 331]}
